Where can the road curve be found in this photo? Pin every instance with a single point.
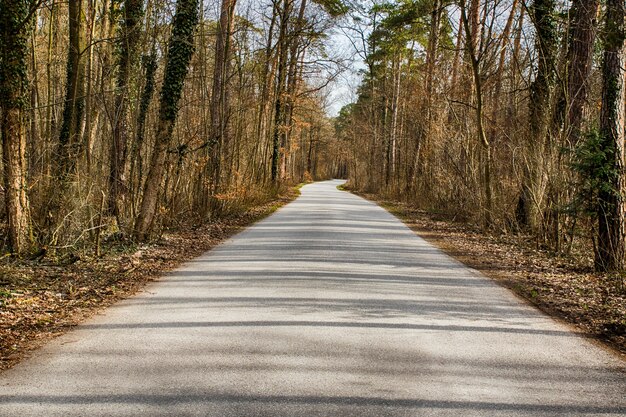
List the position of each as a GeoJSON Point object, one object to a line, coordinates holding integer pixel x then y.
{"type": "Point", "coordinates": [330, 307]}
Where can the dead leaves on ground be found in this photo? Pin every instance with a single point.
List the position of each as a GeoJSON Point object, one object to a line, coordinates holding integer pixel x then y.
{"type": "Point", "coordinates": [40, 299]}
{"type": "Point", "coordinates": [564, 287]}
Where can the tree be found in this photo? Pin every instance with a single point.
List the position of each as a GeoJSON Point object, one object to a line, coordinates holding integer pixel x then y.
{"type": "Point", "coordinates": [15, 24]}
{"type": "Point", "coordinates": [219, 110]}
{"type": "Point", "coordinates": [579, 58]}
{"type": "Point", "coordinates": [73, 113]}
{"type": "Point", "coordinates": [611, 235]}
{"type": "Point", "coordinates": [530, 203]}
{"type": "Point", "coordinates": [475, 56]}
{"type": "Point", "coordinates": [279, 100]}
{"type": "Point", "coordinates": [179, 52]}
{"type": "Point", "coordinates": [128, 54]}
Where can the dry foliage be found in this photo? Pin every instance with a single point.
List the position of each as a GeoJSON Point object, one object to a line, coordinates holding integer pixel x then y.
{"type": "Point", "coordinates": [566, 288]}
{"type": "Point", "coordinates": [40, 299]}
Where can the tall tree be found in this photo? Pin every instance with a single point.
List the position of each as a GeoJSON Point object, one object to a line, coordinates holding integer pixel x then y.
{"type": "Point", "coordinates": [431, 58]}
{"type": "Point", "coordinates": [219, 106]}
{"type": "Point", "coordinates": [295, 37]}
{"type": "Point", "coordinates": [279, 100]}
{"type": "Point", "coordinates": [15, 24]}
{"type": "Point", "coordinates": [530, 203]}
{"type": "Point", "coordinates": [611, 235]}
{"type": "Point", "coordinates": [579, 58]}
{"type": "Point", "coordinates": [128, 57]}
{"type": "Point", "coordinates": [501, 70]}
{"type": "Point", "coordinates": [475, 55]}
{"type": "Point", "coordinates": [179, 52]}
{"type": "Point", "coordinates": [73, 112]}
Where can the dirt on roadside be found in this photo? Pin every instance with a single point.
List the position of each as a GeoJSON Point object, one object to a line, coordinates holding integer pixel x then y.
{"type": "Point", "coordinates": [41, 299]}
{"type": "Point", "coordinates": [565, 288]}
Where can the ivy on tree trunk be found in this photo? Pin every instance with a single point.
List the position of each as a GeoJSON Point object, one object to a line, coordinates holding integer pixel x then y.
{"type": "Point", "coordinates": [179, 52]}
{"type": "Point", "coordinates": [15, 24]}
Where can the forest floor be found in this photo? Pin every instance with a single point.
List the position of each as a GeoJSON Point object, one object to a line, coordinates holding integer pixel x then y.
{"type": "Point", "coordinates": [566, 288]}
{"type": "Point", "coordinates": [42, 299]}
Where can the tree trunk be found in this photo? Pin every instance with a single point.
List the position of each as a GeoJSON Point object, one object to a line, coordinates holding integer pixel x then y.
{"type": "Point", "coordinates": [219, 105]}
{"type": "Point", "coordinates": [279, 117]}
{"type": "Point", "coordinates": [611, 236]}
{"type": "Point", "coordinates": [130, 35]}
{"type": "Point", "coordinates": [179, 52]}
{"type": "Point", "coordinates": [14, 35]}
{"type": "Point", "coordinates": [456, 63]}
{"type": "Point", "coordinates": [513, 104]}
{"type": "Point", "coordinates": [73, 112]}
{"type": "Point", "coordinates": [292, 82]}
{"type": "Point", "coordinates": [579, 58]}
{"type": "Point", "coordinates": [264, 101]}
{"type": "Point", "coordinates": [136, 163]}
{"type": "Point", "coordinates": [474, 57]}
{"type": "Point", "coordinates": [431, 59]}
{"type": "Point", "coordinates": [530, 204]}
{"type": "Point", "coordinates": [497, 91]}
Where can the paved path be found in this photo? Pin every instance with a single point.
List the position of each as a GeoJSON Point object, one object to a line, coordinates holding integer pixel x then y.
{"type": "Point", "coordinates": [330, 307]}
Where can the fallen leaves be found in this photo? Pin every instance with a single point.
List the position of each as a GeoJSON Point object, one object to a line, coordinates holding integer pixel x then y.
{"type": "Point", "coordinates": [39, 299]}
{"type": "Point", "coordinates": [566, 288]}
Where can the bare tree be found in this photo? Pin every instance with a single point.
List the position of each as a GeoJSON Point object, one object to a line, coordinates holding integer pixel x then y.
{"type": "Point", "coordinates": [128, 57]}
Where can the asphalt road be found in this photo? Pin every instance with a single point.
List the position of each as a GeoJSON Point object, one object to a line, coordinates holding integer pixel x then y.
{"type": "Point", "coordinates": [330, 307]}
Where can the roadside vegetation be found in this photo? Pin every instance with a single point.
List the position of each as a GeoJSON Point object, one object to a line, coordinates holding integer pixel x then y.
{"type": "Point", "coordinates": [504, 119]}
{"type": "Point", "coordinates": [41, 299]}
{"type": "Point", "coordinates": [137, 134]}
{"type": "Point", "coordinates": [565, 287]}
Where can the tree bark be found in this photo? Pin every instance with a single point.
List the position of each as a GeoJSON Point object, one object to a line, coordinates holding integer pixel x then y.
{"type": "Point", "coordinates": [219, 110]}
{"type": "Point", "coordinates": [136, 163]}
{"type": "Point", "coordinates": [73, 112]}
{"type": "Point", "coordinates": [179, 52]}
{"type": "Point", "coordinates": [530, 204]}
{"type": "Point", "coordinates": [579, 58]}
{"type": "Point", "coordinates": [279, 116]}
{"type": "Point", "coordinates": [14, 35]}
{"type": "Point", "coordinates": [128, 41]}
{"type": "Point", "coordinates": [611, 236]}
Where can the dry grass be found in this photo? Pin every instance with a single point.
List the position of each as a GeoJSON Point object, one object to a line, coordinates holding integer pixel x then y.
{"type": "Point", "coordinates": [43, 299]}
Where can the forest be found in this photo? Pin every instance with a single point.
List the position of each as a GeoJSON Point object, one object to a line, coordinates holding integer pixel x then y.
{"type": "Point", "coordinates": [121, 119]}
{"type": "Point", "coordinates": [508, 114]}
{"type": "Point", "coordinates": [124, 118]}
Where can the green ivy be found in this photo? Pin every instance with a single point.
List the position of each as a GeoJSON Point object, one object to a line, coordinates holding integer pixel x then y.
{"type": "Point", "coordinates": [179, 52]}
{"type": "Point", "coordinates": [594, 161]}
{"type": "Point", "coordinates": [14, 32]}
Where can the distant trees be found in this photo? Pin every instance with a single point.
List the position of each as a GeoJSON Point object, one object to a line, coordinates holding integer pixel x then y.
{"type": "Point", "coordinates": [509, 135]}
{"type": "Point", "coordinates": [88, 155]}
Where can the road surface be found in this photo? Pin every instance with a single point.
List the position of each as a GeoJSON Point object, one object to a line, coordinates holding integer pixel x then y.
{"type": "Point", "coordinates": [330, 307]}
